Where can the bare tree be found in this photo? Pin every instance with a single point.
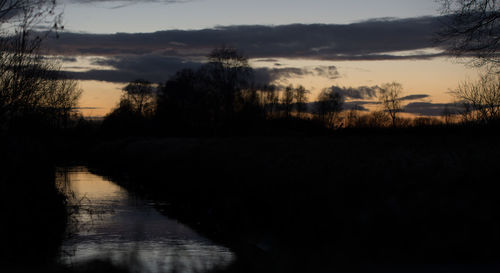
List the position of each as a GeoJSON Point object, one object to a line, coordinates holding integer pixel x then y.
{"type": "Point", "coordinates": [287, 100]}
{"type": "Point", "coordinates": [480, 100]}
{"type": "Point", "coordinates": [300, 96]}
{"type": "Point", "coordinates": [140, 95]}
{"type": "Point", "coordinates": [390, 98]}
{"type": "Point", "coordinates": [329, 106]}
{"type": "Point", "coordinates": [30, 84]}
{"type": "Point", "coordinates": [448, 115]}
{"type": "Point", "coordinates": [38, 10]}
{"type": "Point", "coordinates": [269, 99]}
{"type": "Point", "coordinates": [229, 73]}
{"type": "Point", "coordinates": [473, 29]}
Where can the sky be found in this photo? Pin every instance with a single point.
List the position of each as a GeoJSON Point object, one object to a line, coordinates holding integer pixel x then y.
{"type": "Point", "coordinates": [97, 16]}
{"type": "Point", "coordinates": [351, 44]}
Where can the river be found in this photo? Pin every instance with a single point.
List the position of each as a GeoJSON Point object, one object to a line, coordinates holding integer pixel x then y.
{"type": "Point", "coordinates": [114, 225]}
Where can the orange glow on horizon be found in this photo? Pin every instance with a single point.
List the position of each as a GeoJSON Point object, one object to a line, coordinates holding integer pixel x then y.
{"type": "Point", "coordinates": [435, 77]}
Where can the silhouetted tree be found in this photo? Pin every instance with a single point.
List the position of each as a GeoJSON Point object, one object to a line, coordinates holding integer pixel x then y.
{"type": "Point", "coordinates": [135, 110]}
{"type": "Point", "coordinates": [329, 106]}
{"type": "Point", "coordinates": [378, 119]}
{"type": "Point", "coordinates": [390, 98]}
{"type": "Point", "coordinates": [301, 99]}
{"type": "Point", "coordinates": [31, 86]}
{"type": "Point", "coordinates": [248, 108]}
{"type": "Point", "coordinates": [352, 117]}
{"type": "Point", "coordinates": [227, 73]}
{"type": "Point", "coordinates": [473, 29]}
{"type": "Point", "coordinates": [426, 121]}
{"type": "Point", "coordinates": [141, 96]}
{"type": "Point", "coordinates": [219, 95]}
{"type": "Point", "coordinates": [480, 100]}
{"type": "Point", "coordinates": [29, 12]}
{"type": "Point", "coordinates": [287, 101]}
{"type": "Point", "coordinates": [448, 115]}
{"type": "Point", "coordinates": [184, 103]}
{"type": "Point", "coordinates": [269, 96]}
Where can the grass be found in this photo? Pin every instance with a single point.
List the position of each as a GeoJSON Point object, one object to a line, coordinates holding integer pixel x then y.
{"type": "Point", "coordinates": [357, 197]}
{"type": "Point", "coordinates": [33, 210]}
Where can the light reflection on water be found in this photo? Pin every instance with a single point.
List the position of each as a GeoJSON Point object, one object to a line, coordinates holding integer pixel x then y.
{"type": "Point", "coordinates": [126, 230]}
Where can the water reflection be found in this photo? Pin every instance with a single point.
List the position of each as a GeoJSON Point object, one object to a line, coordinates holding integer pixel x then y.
{"type": "Point", "coordinates": [114, 225]}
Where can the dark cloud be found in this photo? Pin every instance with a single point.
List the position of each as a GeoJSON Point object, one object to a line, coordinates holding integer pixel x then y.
{"type": "Point", "coordinates": [66, 59]}
{"type": "Point", "coordinates": [158, 68]}
{"type": "Point", "coordinates": [368, 92]}
{"type": "Point", "coordinates": [270, 75]}
{"type": "Point", "coordinates": [153, 68]}
{"type": "Point", "coordinates": [147, 63]}
{"type": "Point", "coordinates": [369, 40]}
{"type": "Point", "coordinates": [351, 105]}
{"type": "Point", "coordinates": [415, 97]}
{"type": "Point", "coordinates": [362, 92]}
{"type": "Point", "coordinates": [156, 56]}
{"type": "Point", "coordinates": [329, 72]}
{"type": "Point", "coordinates": [430, 109]}
{"type": "Point", "coordinates": [268, 60]}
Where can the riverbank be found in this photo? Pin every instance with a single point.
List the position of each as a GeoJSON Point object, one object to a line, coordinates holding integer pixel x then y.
{"type": "Point", "coordinates": [36, 215]}
{"type": "Point", "coordinates": [317, 203]}
{"type": "Point", "coordinates": [34, 212]}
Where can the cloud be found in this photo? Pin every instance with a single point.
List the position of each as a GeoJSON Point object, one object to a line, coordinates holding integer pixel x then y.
{"type": "Point", "coordinates": [154, 68]}
{"type": "Point", "coordinates": [158, 68]}
{"type": "Point", "coordinates": [156, 56]}
{"type": "Point", "coordinates": [430, 109]}
{"type": "Point", "coordinates": [361, 92]}
{"type": "Point", "coordinates": [369, 40]}
{"type": "Point", "coordinates": [268, 60]}
{"type": "Point", "coordinates": [415, 97]}
{"type": "Point", "coordinates": [358, 105]}
{"type": "Point", "coordinates": [351, 105]}
{"type": "Point", "coordinates": [368, 92]}
{"type": "Point", "coordinates": [66, 59]}
{"type": "Point", "coordinates": [272, 75]}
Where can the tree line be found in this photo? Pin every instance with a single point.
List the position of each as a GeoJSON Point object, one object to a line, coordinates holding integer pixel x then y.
{"type": "Point", "coordinates": [222, 94]}
{"type": "Point", "coordinates": [221, 97]}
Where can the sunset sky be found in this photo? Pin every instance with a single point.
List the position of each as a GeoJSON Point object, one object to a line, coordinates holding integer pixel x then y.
{"type": "Point", "coordinates": [317, 43]}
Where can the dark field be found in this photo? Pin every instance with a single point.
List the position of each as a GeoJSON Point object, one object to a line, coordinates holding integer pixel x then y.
{"type": "Point", "coordinates": [308, 204]}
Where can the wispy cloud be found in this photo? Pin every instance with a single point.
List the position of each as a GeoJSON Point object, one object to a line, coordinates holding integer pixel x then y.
{"type": "Point", "coordinates": [431, 109]}
{"type": "Point", "coordinates": [415, 97]}
{"type": "Point", "coordinates": [360, 93]}
{"type": "Point", "coordinates": [270, 75]}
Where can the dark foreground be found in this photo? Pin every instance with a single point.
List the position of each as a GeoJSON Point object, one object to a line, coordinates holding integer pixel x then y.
{"type": "Point", "coordinates": [419, 200]}
{"type": "Point", "coordinates": [354, 201]}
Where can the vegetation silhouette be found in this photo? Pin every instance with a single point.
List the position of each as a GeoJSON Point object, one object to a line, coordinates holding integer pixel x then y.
{"type": "Point", "coordinates": [390, 97]}
{"type": "Point", "coordinates": [480, 100]}
{"type": "Point", "coordinates": [291, 185]}
{"type": "Point", "coordinates": [37, 112]}
{"type": "Point", "coordinates": [354, 189]}
{"type": "Point", "coordinates": [472, 30]}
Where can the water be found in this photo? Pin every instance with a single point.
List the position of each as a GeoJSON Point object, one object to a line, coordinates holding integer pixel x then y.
{"type": "Point", "coordinates": [116, 226]}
